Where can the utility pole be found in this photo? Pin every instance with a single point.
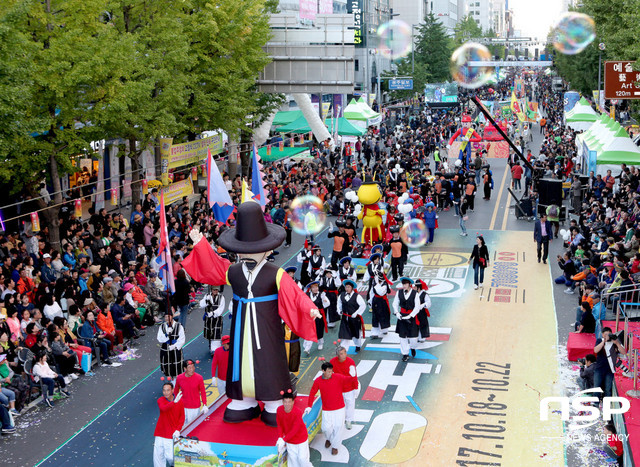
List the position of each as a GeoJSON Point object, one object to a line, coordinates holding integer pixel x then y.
{"type": "Point", "coordinates": [413, 47]}
{"type": "Point", "coordinates": [602, 47]}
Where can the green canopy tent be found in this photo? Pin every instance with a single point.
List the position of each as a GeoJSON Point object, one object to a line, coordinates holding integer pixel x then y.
{"type": "Point", "coordinates": [284, 117]}
{"type": "Point", "coordinates": [615, 158]}
{"type": "Point", "coordinates": [367, 110]}
{"type": "Point", "coordinates": [299, 125]}
{"type": "Point", "coordinates": [345, 128]}
{"type": "Point", "coordinates": [353, 111]}
{"type": "Point", "coordinates": [277, 155]}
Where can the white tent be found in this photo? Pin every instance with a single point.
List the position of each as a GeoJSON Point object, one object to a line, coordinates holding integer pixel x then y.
{"type": "Point", "coordinates": [582, 116]}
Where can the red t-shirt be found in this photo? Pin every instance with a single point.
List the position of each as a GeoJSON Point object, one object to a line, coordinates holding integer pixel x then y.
{"type": "Point", "coordinates": [291, 428]}
{"type": "Point", "coordinates": [342, 368]}
{"type": "Point", "coordinates": [171, 418]}
{"type": "Point", "coordinates": [615, 444]}
{"type": "Point", "coordinates": [192, 390]}
{"type": "Point", "coordinates": [221, 362]}
{"type": "Point", "coordinates": [330, 391]}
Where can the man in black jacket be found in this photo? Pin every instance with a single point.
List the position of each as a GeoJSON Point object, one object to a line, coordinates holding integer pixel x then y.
{"type": "Point", "coordinates": [542, 236]}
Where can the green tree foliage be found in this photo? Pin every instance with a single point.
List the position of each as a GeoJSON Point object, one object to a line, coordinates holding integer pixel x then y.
{"type": "Point", "coordinates": [581, 70]}
{"type": "Point", "coordinates": [433, 49]}
{"type": "Point", "coordinates": [62, 46]}
{"type": "Point", "coordinates": [76, 71]}
{"type": "Point", "coordinates": [466, 29]}
{"type": "Point", "coordinates": [618, 27]}
{"type": "Point", "coordinates": [420, 78]}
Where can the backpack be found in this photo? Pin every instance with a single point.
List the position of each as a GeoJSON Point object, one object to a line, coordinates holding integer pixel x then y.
{"type": "Point", "coordinates": [553, 211]}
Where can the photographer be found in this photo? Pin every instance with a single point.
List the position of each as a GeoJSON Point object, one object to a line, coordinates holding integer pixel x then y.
{"type": "Point", "coordinates": [606, 350]}
{"type": "Point", "coordinates": [587, 369]}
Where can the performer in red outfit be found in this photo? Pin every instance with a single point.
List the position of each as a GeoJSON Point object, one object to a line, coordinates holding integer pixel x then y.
{"type": "Point", "coordinates": [194, 397]}
{"type": "Point", "coordinates": [343, 365]}
{"type": "Point", "coordinates": [168, 426]}
{"type": "Point", "coordinates": [221, 363]}
{"type": "Point", "coordinates": [292, 433]}
{"type": "Point", "coordinates": [466, 134]}
{"type": "Point", "coordinates": [331, 387]}
{"type": "Point", "coordinates": [263, 297]}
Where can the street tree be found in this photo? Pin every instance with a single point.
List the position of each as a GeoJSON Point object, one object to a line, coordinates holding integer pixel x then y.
{"type": "Point", "coordinates": [433, 49]}
{"type": "Point", "coordinates": [64, 46]}
{"type": "Point", "coordinates": [465, 30]}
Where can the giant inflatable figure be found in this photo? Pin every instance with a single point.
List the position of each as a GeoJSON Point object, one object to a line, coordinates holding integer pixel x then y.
{"type": "Point", "coordinates": [466, 133]}
{"type": "Point", "coordinates": [370, 213]}
{"type": "Point", "coordinates": [263, 297]}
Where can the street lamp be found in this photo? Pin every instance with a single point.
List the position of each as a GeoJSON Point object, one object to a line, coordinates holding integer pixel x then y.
{"type": "Point", "coordinates": [602, 47]}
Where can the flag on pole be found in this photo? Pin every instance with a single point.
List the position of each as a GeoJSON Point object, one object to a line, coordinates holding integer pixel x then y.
{"type": "Point", "coordinates": [247, 195]}
{"type": "Point", "coordinates": [164, 256]}
{"type": "Point", "coordinates": [219, 199]}
{"type": "Point", "coordinates": [515, 105]}
{"type": "Point", "coordinates": [257, 184]}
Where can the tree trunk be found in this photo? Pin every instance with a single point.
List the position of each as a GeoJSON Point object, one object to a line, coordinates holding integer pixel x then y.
{"type": "Point", "coordinates": [158, 159]}
{"type": "Point", "coordinates": [232, 161]}
{"type": "Point", "coordinates": [52, 213]}
{"type": "Point", "coordinates": [135, 169]}
{"type": "Point", "coordinates": [245, 154]}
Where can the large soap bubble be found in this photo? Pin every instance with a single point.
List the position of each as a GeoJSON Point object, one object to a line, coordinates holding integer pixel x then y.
{"type": "Point", "coordinates": [414, 233]}
{"type": "Point", "coordinates": [467, 75]}
{"type": "Point", "coordinates": [394, 39]}
{"type": "Point", "coordinates": [573, 33]}
{"type": "Point", "coordinates": [307, 215]}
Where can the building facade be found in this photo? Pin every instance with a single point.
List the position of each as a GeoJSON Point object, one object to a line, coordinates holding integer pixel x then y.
{"type": "Point", "coordinates": [488, 14]}
{"type": "Point", "coordinates": [447, 12]}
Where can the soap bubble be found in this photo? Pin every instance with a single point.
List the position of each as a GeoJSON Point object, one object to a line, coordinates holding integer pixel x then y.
{"type": "Point", "coordinates": [307, 215]}
{"type": "Point", "coordinates": [573, 33]}
{"type": "Point", "coordinates": [468, 76]}
{"type": "Point", "coordinates": [394, 39]}
{"type": "Point", "coordinates": [414, 233]}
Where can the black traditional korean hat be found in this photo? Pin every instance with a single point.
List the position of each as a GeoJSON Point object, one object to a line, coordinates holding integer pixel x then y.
{"type": "Point", "coordinates": [252, 234]}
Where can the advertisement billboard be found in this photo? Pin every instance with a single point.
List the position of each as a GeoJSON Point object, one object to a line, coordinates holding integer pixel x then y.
{"type": "Point", "coordinates": [441, 92]}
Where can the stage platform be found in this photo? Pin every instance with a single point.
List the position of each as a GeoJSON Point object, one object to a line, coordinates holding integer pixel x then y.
{"type": "Point", "coordinates": [208, 440]}
{"type": "Point", "coordinates": [622, 385]}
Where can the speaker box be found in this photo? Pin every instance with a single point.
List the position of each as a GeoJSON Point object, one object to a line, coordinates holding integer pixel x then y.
{"type": "Point", "coordinates": [550, 190]}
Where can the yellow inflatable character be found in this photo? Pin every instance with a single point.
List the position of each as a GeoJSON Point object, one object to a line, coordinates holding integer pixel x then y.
{"type": "Point", "coordinates": [371, 215]}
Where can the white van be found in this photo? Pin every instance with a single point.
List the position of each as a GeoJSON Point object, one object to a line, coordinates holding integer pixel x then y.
{"type": "Point", "coordinates": [557, 84]}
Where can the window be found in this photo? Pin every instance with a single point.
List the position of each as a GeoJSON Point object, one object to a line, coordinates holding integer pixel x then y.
{"type": "Point", "coordinates": [477, 21]}
{"type": "Point", "coordinates": [357, 64]}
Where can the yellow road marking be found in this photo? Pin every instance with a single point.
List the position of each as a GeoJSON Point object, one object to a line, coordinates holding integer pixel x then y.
{"type": "Point", "coordinates": [506, 211]}
{"type": "Point", "coordinates": [308, 368]}
{"type": "Point", "coordinates": [495, 209]}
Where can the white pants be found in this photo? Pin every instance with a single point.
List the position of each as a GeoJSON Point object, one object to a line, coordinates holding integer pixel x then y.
{"type": "Point", "coordinates": [408, 343]}
{"type": "Point", "coordinates": [376, 331]}
{"type": "Point", "coordinates": [162, 452]}
{"type": "Point", "coordinates": [356, 342]}
{"type": "Point", "coordinates": [332, 426]}
{"type": "Point", "coordinates": [190, 415]}
{"type": "Point", "coordinates": [248, 402]}
{"type": "Point", "coordinates": [308, 344]}
{"type": "Point", "coordinates": [214, 344]}
{"type": "Point", "coordinates": [221, 385]}
{"type": "Point", "coordinates": [350, 404]}
{"type": "Point", "coordinates": [298, 455]}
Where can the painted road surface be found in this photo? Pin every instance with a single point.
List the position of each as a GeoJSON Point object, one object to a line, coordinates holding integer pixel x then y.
{"type": "Point", "coordinates": [470, 397]}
